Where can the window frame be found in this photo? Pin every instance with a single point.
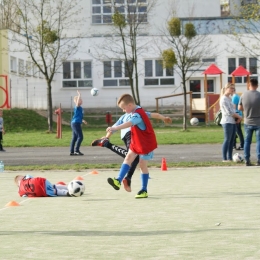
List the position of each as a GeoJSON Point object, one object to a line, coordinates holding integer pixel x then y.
{"type": "Point", "coordinates": [100, 14]}
{"type": "Point", "coordinates": [21, 68]}
{"type": "Point", "coordinates": [154, 79]}
{"type": "Point", "coordinates": [242, 61]}
{"type": "Point", "coordinates": [114, 80]}
{"type": "Point", "coordinates": [79, 79]}
{"type": "Point", "coordinates": [13, 64]}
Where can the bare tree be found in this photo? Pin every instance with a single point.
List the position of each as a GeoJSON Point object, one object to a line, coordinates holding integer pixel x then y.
{"type": "Point", "coordinates": [8, 14]}
{"type": "Point", "coordinates": [44, 25]}
{"type": "Point", "coordinates": [126, 44]}
{"type": "Point", "coordinates": [245, 28]}
{"type": "Point", "coordinates": [185, 53]}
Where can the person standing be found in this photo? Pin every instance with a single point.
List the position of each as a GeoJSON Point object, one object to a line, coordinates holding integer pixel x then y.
{"type": "Point", "coordinates": [250, 105]}
{"type": "Point", "coordinates": [228, 121]}
{"type": "Point", "coordinates": [235, 101]}
{"type": "Point", "coordinates": [2, 131]}
{"type": "Point", "coordinates": [77, 119]}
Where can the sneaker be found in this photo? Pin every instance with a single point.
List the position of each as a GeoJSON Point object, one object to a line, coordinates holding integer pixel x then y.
{"type": "Point", "coordinates": [114, 183]}
{"type": "Point", "coordinates": [78, 153]}
{"type": "Point", "coordinates": [142, 194]}
{"type": "Point", "coordinates": [100, 142]}
{"type": "Point", "coordinates": [248, 163]}
{"type": "Point", "coordinates": [72, 153]}
{"type": "Point", "coordinates": [240, 148]}
{"type": "Point", "coordinates": [127, 184]}
{"type": "Point", "coordinates": [2, 150]}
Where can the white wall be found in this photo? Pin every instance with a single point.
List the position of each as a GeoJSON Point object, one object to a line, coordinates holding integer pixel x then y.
{"type": "Point", "coordinates": [26, 91]}
{"type": "Point", "coordinates": [90, 48]}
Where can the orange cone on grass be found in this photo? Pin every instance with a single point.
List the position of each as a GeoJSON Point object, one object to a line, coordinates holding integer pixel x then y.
{"type": "Point", "coordinates": [12, 203]}
{"type": "Point", "coordinates": [61, 183]}
{"type": "Point", "coordinates": [94, 172]}
{"type": "Point", "coordinates": [79, 178]}
{"type": "Point", "coordinates": [164, 166]}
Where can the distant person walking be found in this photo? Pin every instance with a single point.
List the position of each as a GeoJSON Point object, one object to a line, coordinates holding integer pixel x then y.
{"type": "Point", "coordinates": [228, 121]}
{"type": "Point", "coordinates": [250, 104]}
{"type": "Point", "coordinates": [77, 119]}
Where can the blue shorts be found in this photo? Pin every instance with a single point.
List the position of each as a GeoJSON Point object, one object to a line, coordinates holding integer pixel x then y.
{"type": "Point", "coordinates": [146, 157]}
{"type": "Point", "coordinates": [50, 191]}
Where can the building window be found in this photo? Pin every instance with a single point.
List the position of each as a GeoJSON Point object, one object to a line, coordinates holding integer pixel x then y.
{"type": "Point", "coordinates": [156, 75]}
{"type": "Point", "coordinates": [103, 10]}
{"type": "Point", "coordinates": [224, 8]}
{"type": "Point", "coordinates": [116, 73]}
{"type": "Point", "coordinates": [77, 74]}
{"type": "Point", "coordinates": [208, 60]}
{"type": "Point", "coordinates": [28, 68]}
{"type": "Point", "coordinates": [13, 62]}
{"type": "Point", "coordinates": [249, 64]}
{"type": "Point", "coordinates": [35, 70]}
{"type": "Point", "coordinates": [21, 67]}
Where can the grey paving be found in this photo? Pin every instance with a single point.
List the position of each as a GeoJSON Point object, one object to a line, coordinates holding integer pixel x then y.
{"type": "Point", "coordinates": [60, 155]}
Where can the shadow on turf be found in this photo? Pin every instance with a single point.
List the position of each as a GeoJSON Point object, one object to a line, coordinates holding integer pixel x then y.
{"type": "Point", "coordinates": [122, 233]}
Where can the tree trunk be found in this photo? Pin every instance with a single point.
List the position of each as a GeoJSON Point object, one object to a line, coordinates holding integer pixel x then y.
{"type": "Point", "coordinates": [49, 104]}
{"type": "Point", "coordinates": [185, 106]}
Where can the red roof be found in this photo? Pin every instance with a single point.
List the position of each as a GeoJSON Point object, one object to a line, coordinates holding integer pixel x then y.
{"type": "Point", "coordinates": [212, 70]}
{"type": "Point", "coordinates": [240, 71]}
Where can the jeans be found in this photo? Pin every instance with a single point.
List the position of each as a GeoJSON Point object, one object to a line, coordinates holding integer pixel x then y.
{"type": "Point", "coordinates": [77, 137]}
{"type": "Point", "coordinates": [229, 137]}
{"type": "Point", "coordinates": [249, 130]}
{"type": "Point", "coordinates": [240, 135]}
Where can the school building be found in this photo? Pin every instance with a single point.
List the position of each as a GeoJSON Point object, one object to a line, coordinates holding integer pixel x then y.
{"type": "Point", "coordinates": [94, 65]}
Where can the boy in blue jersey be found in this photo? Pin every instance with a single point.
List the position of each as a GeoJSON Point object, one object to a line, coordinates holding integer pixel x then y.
{"type": "Point", "coordinates": [235, 101]}
{"type": "Point", "coordinates": [126, 137]}
{"type": "Point", "coordinates": [77, 134]}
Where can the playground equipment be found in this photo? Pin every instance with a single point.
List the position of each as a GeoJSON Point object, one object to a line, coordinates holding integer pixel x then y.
{"type": "Point", "coordinates": [206, 108]}
{"type": "Point", "coordinates": [241, 72]}
{"type": "Point", "coordinates": [58, 112]}
{"type": "Point", "coordinates": [4, 94]}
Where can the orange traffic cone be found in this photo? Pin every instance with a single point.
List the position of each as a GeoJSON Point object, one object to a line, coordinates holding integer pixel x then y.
{"type": "Point", "coordinates": [78, 178]}
{"type": "Point", "coordinates": [61, 183]}
{"type": "Point", "coordinates": [12, 203]}
{"type": "Point", "coordinates": [164, 166]}
{"type": "Point", "coordinates": [94, 172]}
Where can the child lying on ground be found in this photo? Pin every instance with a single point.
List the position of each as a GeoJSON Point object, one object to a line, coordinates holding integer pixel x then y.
{"type": "Point", "coordinates": [28, 186]}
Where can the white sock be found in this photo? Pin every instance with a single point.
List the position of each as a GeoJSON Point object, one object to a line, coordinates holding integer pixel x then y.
{"type": "Point", "coordinates": [62, 192]}
{"type": "Point", "coordinates": [61, 187]}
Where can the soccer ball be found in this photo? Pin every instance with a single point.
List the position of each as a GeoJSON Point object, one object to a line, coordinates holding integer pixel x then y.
{"type": "Point", "coordinates": [94, 92]}
{"type": "Point", "coordinates": [194, 121]}
{"type": "Point", "coordinates": [76, 188]}
{"type": "Point", "coordinates": [237, 157]}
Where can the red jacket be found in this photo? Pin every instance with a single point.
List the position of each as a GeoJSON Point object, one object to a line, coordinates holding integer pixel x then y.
{"type": "Point", "coordinates": [143, 141]}
{"type": "Point", "coordinates": [33, 187]}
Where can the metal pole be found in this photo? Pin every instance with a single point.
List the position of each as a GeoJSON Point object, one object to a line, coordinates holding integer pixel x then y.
{"type": "Point", "coordinates": [116, 110]}
{"type": "Point", "coordinates": [60, 123]}
{"type": "Point", "coordinates": [27, 91]}
{"type": "Point", "coordinates": [70, 108]}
